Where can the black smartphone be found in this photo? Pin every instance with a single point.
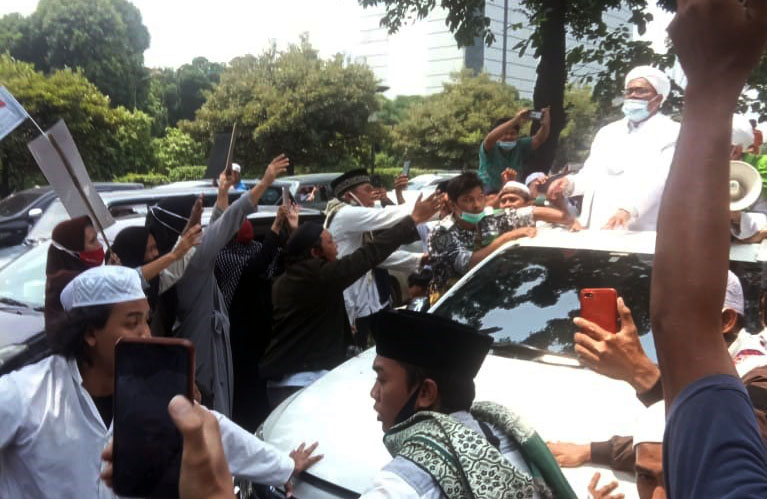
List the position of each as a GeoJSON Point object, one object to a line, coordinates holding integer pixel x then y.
{"type": "Point", "coordinates": [149, 372]}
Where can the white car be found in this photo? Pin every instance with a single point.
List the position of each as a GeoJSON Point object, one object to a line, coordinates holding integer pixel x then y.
{"type": "Point", "coordinates": [525, 295]}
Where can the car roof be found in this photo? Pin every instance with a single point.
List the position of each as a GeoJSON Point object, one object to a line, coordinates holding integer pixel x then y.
{"type": "Point", "coordinates": [309, 178]}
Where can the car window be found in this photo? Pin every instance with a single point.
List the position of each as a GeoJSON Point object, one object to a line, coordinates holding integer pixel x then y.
{"type": "Point", "coordinates": [24, 279]}
{"type": "Point", "coordinates": [15, 203]}
{"type": "Point", "coordinates": [529, 295]}
{"type": "Point", "coordinates": [51, 217]}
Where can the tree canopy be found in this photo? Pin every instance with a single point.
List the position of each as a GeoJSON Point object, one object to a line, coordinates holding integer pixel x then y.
{"type": "Point", "coordinates": [104, 38]}
{"type": "Point", "coordinates": [314, 110]}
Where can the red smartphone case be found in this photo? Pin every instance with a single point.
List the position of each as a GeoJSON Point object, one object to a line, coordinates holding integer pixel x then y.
{"type": "Point", "coordinates": [598, 305]}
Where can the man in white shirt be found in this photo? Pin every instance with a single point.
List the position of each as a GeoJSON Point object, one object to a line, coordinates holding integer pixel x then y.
{"type": "Point", "coordinates": [56, 414]}
{"type": "Point", "coordinates": [443, 444]}
{"type": "Point", "coordinates": [625, 173]}
{"type": "Point", "coordinates": [351, 220]}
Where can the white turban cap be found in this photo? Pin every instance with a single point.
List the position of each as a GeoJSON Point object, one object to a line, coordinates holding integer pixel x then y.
{"type": "Point", "coordinates": [733, 297]}
{"type": "Point", "coordinates": [657, 78]}
{"type": "Point", "coordinates": [101, 286]}
{"type": "Point", "coordinates": [516, 186]}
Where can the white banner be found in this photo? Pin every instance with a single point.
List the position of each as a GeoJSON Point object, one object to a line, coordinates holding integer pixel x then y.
{"type": "Point", "coordinates": [11, 113]}
{"type": "Point", "coordinates": [75, 189]}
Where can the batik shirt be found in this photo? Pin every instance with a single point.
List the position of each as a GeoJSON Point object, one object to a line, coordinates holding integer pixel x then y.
{"type": "Point", "coordinates": [451, 246]}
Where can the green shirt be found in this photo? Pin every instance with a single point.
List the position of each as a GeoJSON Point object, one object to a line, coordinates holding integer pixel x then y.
{"type": "Point", "coordinates": [493, 163]}
{"type": "Point", "coordinates": [759, 162]}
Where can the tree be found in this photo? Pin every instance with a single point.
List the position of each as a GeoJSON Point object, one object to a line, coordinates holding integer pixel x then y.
{"type": "Point", "coordinates": [446, 129]}
{"type": "Point", "coordinates": [112, 141]}
{"type": "Point", "coordinates": [105, 38]}
{"type": "Point", "coordinates": [314, 110]}
{"type": "Point", "coordinates": [176, 149]}
{"type": "Point", "coordinates": [551, 21]}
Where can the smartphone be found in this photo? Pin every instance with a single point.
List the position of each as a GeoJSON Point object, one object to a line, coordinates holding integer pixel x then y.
{"type": "Point", "coordinates": [149, 372]}
{"type": "Point", "coordinates": [406, 169]}
{"type": "Point", "coordinates": [536, 115]}
{"type": "Point", "coordinates": [285, 196]}
{"type": "Point", "coordinates": [599, 305]}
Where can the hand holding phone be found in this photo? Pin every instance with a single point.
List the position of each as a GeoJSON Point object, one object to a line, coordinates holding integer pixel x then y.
{"type": "Point", "coordinates": [599, 305]}
{"type": "Point", "coordinates": [149, 372]}
{"type": "Point", "coordinates": [535, 115]}
{"type": "Point", "coordinates": [406, 168]}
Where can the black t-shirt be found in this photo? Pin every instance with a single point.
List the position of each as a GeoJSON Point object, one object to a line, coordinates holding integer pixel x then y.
{"type": "Point", "coordinates": [712, 447]}
{"type": "Point", "coordinates": [104, 405]}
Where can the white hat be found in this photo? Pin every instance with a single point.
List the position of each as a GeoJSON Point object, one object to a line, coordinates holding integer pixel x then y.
{"type": "Point", "coordinates": [733, 297]}
{"type": "Point", "coordinates": [657, 78]}
{"type": "Point", "coordinates": [101, 286]}
{"type": "Point", "coordinates": [745, 185]}
{"type": "Point", "coordinates": [513, 185]}
{"type": "Point", "coordinates": [236, 168]}
{"type": "Point", "coordinates": [742, 133]}
{"type": "Point", "coordinates": [650, 425]}
{"type": "Point", "coordinates": [533, 177]}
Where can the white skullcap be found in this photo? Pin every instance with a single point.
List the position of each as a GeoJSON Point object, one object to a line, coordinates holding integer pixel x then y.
{"type": "Point", "coordinates": [742, 133]}
{"type": "Point", "coordinates": [513, 185]}
{"type": "Point", "coordinates": [650, 425]}
{"type": "Point", "coordinates": [236, 167]}
{"type": "Point", "coordinates": [101, 286]}
{"type": "Point", "coordinates": [733, 297]}
{"type": "Point", "coordinates": [533, 177]}
{"type": "Point", "coordinates": [655, 77]}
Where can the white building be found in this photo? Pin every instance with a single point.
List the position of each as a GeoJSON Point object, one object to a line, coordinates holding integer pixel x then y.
{"type": "Point", "coordinates": [421, 57]}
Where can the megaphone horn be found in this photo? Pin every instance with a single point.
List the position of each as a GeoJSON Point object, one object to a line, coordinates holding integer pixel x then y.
{"type": "Point", "coordinates": [745, 185]}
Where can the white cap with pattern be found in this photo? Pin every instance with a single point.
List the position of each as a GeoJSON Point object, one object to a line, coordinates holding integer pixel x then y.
{"type": "Point", "coordinates": [101, 286]}
{"type": "Point", "coordinates": [733, 297]}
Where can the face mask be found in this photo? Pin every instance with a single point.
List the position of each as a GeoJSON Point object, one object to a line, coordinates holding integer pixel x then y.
{"type": "Point", "coordinates": [472, 218]}
{"type": "Point", "coordinates": [408, 409]}
{"type": "Point", "coordinates": [636, 110]}
{"type": "Point", "coordinates": [507, 145]}
{"type": "Point", "coordinates": [92, 258]}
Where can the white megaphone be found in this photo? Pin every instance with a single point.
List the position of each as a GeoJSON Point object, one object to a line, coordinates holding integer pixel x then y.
{"type": "Point", "coordinates": [745, 185]}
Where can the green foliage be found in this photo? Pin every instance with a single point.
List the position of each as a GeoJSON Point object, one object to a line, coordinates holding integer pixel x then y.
{"type": "Point", "coordinates": [105, 38]}
{"type": "Point", "coordinates": [176, 149]}
{"type": "Point", "coordinates": [148, 179]}
{"type": "Point", "coordinates": [181, 173]}
{"type": "Point", "coordinates": [316, 111]}
{"type": "Point", "coordinates": [445, 130]}
{"type": "Point", "coordinates": [112, 141]}
{"type": "Point", "coordinates": [394, 110]}
{"type": "Point", "coordinates": [582, 124]}
{"type": "Point", "coordinates": [183, 91]}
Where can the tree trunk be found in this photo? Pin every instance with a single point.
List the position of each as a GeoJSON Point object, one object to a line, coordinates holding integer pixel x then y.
{"type": "Point", "coordinates": [552, 77]}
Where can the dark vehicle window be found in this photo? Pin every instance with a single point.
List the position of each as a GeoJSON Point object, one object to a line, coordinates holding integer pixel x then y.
{"type": "Point", "coordinates": [530, 295]}
{"type": "Point", "coordinates": [15, 203]}
{"type": "Point", "coordinates": [271, 196]}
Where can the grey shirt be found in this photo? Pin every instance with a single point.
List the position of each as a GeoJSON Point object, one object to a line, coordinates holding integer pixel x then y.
{"type": "Point", "coordinates": [202, 316]}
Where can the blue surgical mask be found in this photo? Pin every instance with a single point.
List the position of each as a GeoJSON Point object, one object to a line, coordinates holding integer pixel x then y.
{"type": "Point", "coordinates": [636, 110]}
{"type": "Point", "coordinates": [507, 145]}
{"type": "Point", "coordinates": [472, 218]}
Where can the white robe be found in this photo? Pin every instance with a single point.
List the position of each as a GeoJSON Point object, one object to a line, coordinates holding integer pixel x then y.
{"type": "Point", "coordinates": [51, 438]}
{"type": "Point", "coordinates": [347, 227]}
{"type": "Point", "coordinates": [626, 169]}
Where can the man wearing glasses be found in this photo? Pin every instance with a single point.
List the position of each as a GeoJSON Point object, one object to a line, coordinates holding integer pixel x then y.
{"type": "Point", "coordinates": [623, 178]}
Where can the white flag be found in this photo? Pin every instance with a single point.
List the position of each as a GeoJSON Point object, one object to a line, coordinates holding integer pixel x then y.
{"type": "Point", "coordinates": [11, 113]}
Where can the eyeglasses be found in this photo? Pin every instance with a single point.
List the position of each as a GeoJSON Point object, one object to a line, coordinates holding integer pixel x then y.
{"type": "Point", "coordinates": [639, 92]}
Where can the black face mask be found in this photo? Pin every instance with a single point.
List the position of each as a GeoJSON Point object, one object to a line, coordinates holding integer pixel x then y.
{"type": "Point", "coordinates": [409, 408]}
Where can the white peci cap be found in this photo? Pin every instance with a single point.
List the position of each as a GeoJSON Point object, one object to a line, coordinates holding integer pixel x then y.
{"type": "Point", "coordinates": [102, 286]}
{"type": "Point", "coordinates": [236, 168]}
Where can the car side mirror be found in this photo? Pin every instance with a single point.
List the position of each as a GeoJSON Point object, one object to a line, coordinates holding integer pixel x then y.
{"type": "Point", "coordinates": [35, 213]}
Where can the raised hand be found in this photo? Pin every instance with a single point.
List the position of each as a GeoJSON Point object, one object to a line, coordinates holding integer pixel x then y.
{"type": "Point", "coordinates": [225, 182]}
{"type": "Point", "coordinates": [278, 166]}
{"type": "Point", "coordinates": [188, 240]}
{"type": "Point", "coordinates": [570, 455]}
{"type": "Point", "coordinates": [400, 183]}
{"type": "Point", "coordinates": [425, 209]}
{"type": "Point", "coordinates": [508, 175]}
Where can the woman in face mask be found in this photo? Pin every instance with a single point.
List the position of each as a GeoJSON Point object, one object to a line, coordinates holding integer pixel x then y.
{"type": "Point", "coordinates": [74, 249]}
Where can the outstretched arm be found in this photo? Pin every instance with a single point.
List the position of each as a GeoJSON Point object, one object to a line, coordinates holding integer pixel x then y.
{"type": "Point", "coordinates": [692, 246]}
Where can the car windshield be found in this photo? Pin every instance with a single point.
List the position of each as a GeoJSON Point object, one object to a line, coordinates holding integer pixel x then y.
{"type": "Point", "coordinates": [23, 280]}
{"type": "Point", "coordinates": [15, 203]}
{"type": "Point", "coordinates": [529, 295]}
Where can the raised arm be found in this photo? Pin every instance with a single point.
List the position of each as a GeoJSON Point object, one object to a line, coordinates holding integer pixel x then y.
{"type": "Point", "coordinates": [692, 246]}
{"type": "Point", "coordinates": [543, 132]}
{"type": "Point", "coordinates": [187, 241]}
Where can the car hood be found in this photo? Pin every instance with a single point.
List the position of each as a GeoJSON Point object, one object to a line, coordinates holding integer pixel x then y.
{"type": "Point", "coordinates": [9, 253]}
{"type": "Point", "coordinates": [19, 324]}
{"type": "Point", "coordinates": [562, 403]}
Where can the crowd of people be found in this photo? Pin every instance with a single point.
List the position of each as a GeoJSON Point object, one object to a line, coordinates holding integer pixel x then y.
{"type": "Point", "coordinates": [268, 317]}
